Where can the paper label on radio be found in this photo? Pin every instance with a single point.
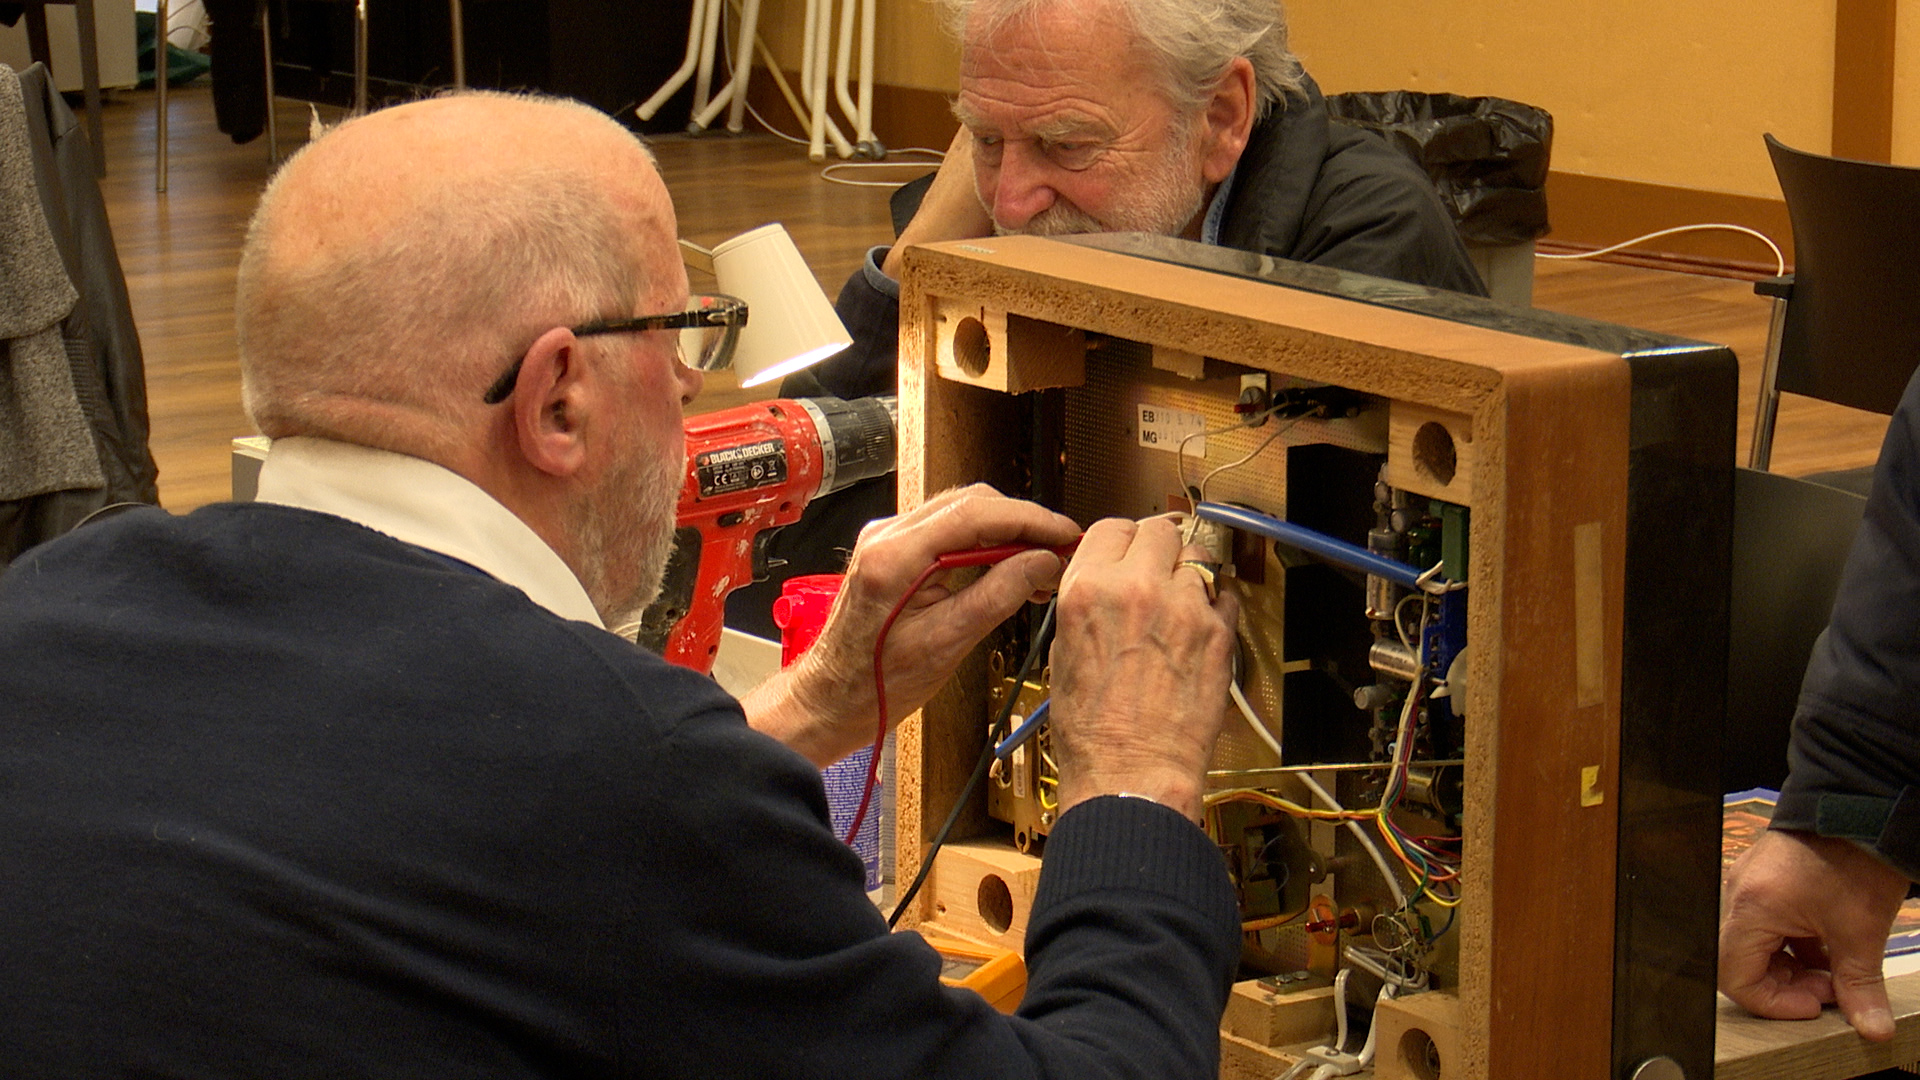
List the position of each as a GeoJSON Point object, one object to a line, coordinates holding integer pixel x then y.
{"type": "Point", "coordinates": [1163, 429]}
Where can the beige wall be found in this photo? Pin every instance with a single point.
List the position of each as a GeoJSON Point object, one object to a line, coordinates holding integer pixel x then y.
{"type": "Point", "coordinates": [1644, 90]}
{"type": "Point", "coordinates": [1906, 85]}
{"type": "Point", "coordinates": [1653, 91]}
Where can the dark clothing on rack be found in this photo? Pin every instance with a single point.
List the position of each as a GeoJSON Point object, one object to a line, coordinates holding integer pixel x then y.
{"type": "Point", "coordinates": [239, 71]}
{"type": "Point", "coordinates": [283, 796]}
{"type": "Point", "coordinates": [101, 347]}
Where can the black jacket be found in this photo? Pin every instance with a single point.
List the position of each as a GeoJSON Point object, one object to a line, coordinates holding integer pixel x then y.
{"type": "Point", "coordinates": [1854, 756]}
{"type": "Point", "coordinates": [102, 344]}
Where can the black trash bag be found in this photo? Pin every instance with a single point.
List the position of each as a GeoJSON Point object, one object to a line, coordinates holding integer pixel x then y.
{"type": "Point", "coordinates": [1486, 156]}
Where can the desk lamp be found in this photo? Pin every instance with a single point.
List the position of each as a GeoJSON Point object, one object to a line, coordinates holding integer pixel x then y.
{"type": "Point", "coordinates": [790, 323]}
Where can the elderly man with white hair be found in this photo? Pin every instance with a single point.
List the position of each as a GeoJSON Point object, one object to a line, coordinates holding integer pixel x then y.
{"type": "Point", "coordinates": [1183, 118]}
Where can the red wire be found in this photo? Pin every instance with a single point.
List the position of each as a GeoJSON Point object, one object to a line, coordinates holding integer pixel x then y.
{"type": "Point", "coordinates": [951, 560]}
{"type": "Point", "coordinates": [880, 695]}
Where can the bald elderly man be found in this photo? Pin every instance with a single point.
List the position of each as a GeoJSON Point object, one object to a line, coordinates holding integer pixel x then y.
{"type": "Point", "coordinates": [350, 781]}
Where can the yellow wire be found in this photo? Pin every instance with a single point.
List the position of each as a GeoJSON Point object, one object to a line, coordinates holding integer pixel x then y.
{"type": "Point", "coordinates": [1285, 806]}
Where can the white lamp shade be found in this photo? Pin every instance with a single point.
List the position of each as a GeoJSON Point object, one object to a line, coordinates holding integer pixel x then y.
{"type": "Point", "coordinates": [790, 323]}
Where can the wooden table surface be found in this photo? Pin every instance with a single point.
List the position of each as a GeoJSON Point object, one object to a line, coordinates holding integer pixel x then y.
{"type": "Point", "coordinates": [1824, 1048]}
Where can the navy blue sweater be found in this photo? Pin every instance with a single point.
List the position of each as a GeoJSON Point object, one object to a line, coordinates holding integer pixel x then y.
{"type": "Point", "coordinates": [281, 796]}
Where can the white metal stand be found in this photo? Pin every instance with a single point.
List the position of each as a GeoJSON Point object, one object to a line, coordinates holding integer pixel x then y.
{"type": "Point", "coordinates": [703, 43]}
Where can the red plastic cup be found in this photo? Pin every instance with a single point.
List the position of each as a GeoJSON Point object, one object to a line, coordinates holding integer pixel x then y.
{"type": "Point", "coordinates": [801, 611]}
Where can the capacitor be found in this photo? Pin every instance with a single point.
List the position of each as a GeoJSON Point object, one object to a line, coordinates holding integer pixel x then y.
{"type": "Point", "coordinates": [1393, 660]}
{"type": "Point", "coordinates": [1381, 593]}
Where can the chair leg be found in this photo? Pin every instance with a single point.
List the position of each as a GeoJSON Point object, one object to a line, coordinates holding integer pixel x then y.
{"type": "Point", "coordinates": [160, 100]}
{"type": "Point", "coordinates": [266, 50]}
{"type": "Point", "coordinates": [38, 46]}
{"type": "Point", "coordinates": [90, 73]}
{"type": "Point", "coordinates": [1761, 452]}
{"type": "Point", "coordinates": [459, 46]}
{"type": "Point", "coordinates": [360, 57]}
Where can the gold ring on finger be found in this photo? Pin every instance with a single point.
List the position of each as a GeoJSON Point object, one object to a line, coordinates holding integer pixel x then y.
{"type": "Point", "coordinates": [1206, 573]}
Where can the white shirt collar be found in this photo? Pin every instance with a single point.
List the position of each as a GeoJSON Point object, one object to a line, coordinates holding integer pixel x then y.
{"type": "Point", "coordinates": [420, 503]}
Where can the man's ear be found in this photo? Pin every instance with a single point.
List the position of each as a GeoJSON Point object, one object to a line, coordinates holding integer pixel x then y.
{"type": "Point", "coordinates": [550, 403]}
{"type": "Point", "coordinates": [1227, 122]}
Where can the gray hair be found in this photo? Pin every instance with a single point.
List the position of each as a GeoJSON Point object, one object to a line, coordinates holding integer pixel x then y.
{"type": "Point", "coordinates": [1195, 39]}
{"type": "Point", "coordinates": [417, 321]}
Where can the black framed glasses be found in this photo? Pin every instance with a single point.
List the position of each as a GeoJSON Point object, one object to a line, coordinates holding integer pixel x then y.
{"type": "Point", "coordinates": [709, 329]}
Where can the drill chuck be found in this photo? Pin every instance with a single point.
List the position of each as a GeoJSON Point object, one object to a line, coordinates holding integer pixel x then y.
{"type": "Point", "coordinates": [857, 439]}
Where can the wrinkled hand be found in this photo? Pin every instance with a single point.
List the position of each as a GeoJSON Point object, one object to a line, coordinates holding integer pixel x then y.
{"type": "Point", "coordinates": [1805, 925]}
{"type": "Point", "coordinates": [1141, 663]}
{"type": "Point", "coordinates": [824, 705]}
{"type": "Point", "coordinates": [951, 209]}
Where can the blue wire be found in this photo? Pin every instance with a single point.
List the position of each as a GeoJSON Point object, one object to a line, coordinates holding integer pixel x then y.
{"type": "Point", "coordinates": [1027, 729]}
{"type": "Point", "coordinates": [1286, 532]}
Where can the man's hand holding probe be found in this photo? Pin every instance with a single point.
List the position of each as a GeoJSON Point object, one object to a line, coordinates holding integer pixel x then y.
{"type": "Point", "coordinates": [824, 706]}
{"type": "Point", "coordinates": [1141, 658]}
{"type": "Point", "coordinates": [1141, 663]}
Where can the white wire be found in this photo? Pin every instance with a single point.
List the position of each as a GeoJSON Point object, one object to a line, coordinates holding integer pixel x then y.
{"type": "Point", "coordinates": [1340, 1010]}
{"type": "Point", "coordinates": [1779, 258]}
{"type": "Point", "coordinates": [1254, 721]}
{"type": "Point", "coordinates": [771, 130]}
{"type": "Point", "coordinates": [1180, 453]}
{"type": "Point", "coordinates": [1366, 1050]}
{"type": "Point", "coordinates": [1400, 627]}
{"type": "Point", "coordinates": [831, 173]}
{"type": "Point", "coordinates": [1373, 849]}
{"type": "Point", "coordinates": [1255, 452]}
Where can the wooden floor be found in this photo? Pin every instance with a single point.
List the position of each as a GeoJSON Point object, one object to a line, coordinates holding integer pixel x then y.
{"type": "Point", "coordinates": [179, 251]}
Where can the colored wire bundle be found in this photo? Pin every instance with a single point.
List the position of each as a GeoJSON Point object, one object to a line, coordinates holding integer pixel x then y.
{"type": "Point", "coordinates": [1433, 862]}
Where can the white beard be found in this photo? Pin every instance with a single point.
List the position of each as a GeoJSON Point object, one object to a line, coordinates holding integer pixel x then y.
{"type": "Point", "coordinates": [624, 534]}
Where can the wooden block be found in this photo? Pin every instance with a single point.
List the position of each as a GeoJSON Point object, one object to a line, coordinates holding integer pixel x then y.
{"type": "Point", "coordinates": [1244, 1059]}
{"type": "Point", "coordinates": [1418, 1037]}
{"type": "Point", "coordinates": [984, 347]}
{"type": "Point", "coordinates": [983, 891]}
{"type": "Point", "coordinates": [1430, 452]}
{"type": "Point", "coordinates": [1189, 365]}
{"type": "Point", "coordinates": [1269, 1017]}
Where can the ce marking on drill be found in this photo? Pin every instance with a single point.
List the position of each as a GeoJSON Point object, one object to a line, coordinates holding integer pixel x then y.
{"type": "Point", "coordinates": [741, 468]}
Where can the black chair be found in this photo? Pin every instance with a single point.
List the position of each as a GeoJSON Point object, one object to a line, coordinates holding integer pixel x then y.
{"type": "Point", "coordinates": [1790, 543]}
{"type": "Point", "coordinates": [1846, 327]}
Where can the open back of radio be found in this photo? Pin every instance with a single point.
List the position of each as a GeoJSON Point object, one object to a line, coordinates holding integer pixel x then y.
{"type": "Point", "coordinates": [1482, 773]}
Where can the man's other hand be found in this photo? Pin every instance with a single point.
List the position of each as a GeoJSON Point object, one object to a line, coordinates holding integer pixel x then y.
{"type": "Point", "coordinates": [1141, 664]}
{"type": "Point", "coordinates": [1805, 925]}
{"type": "Point", "coordinates": [951, 209]}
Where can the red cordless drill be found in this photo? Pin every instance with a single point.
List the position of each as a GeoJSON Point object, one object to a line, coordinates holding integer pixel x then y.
{"type": "Point", "coordinates": [751, 470]}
